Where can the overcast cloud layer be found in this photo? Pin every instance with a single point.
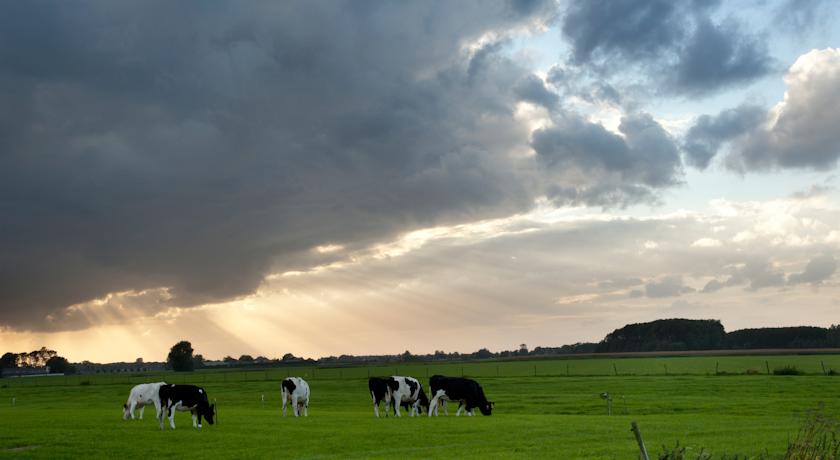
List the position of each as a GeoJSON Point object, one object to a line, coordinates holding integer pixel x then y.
{"type": "Point", "coordinates": [159, 160]}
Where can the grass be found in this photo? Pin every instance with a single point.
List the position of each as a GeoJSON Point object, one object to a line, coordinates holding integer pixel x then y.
{"type": "Point", "coordinates": [543, 416]}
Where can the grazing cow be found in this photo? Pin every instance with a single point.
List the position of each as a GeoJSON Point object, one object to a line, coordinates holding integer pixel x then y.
{"type": "Point", "coordinates": [141, 396]}
{"type": "Point", "coordinates": [467, 391]}
{"type": "Point", "coordinates": [407, 390]}
{"type": "Point", "coordinates": [379, 391]}
{"type": "Point", "coordinates": [185, 398]}
{"type": "Point", "coordinates": [295, 390]}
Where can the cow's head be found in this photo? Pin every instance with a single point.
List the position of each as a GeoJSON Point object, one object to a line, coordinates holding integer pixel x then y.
{"type": "Point", "coordinates": [126, 412]}
{"type": "Point", "coordinates": [208, 412]}
{"type": "Point", "coordinates": [487, 407]}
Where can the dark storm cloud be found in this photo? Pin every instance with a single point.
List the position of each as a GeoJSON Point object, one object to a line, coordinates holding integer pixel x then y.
{"type": "Point", "coordinates": [709, 133]}
{"type": "Point", "coordinates": [756, 273]}
{"type": "Point", "coordinates": [674, 42]}
{"type": "Point", "coordinates": [628, 169]}
{"type": "Point", "coordinates": [532, 89]}
{"type": "Point", "coordinates": [197, 146]}
{"type": "Point", "coordinates": [717, 56]}
{"type": "Point", "coordinates": [671, 286]}
{"type": "Point", "coordinates": [819, 269]}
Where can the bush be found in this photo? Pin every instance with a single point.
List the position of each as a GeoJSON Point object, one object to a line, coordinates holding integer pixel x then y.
{"type": "Point", "coordinates": [753, 372]}
{"type": "Point", "coordinates": [84, 383]}
{"type": "Point", "coordinates": [787, 370]}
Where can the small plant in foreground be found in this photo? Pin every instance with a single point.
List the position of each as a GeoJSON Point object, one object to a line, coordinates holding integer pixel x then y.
{"type": "Point", "coordinates": [683, 453]}
{"type": "Point", "coordinates": [817, 439]}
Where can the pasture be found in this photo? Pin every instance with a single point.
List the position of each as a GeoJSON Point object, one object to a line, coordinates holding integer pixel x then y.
{"type": "Point", "coordinates": [556, 413]}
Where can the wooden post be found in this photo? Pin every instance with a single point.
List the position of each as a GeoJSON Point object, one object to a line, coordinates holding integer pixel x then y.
{"type": "Point", "coordinates": [634, 427]}
{"type": "Point", "coordinates": [717, 364]}
{"type": "Point", "coordinates": [535, 370]}
{"type": "Point", "coordinates": [615, 368]}
{"type": "Point", "coordinates": [823, 366]}
{"type": "Point", "coordinates": [767, 364]}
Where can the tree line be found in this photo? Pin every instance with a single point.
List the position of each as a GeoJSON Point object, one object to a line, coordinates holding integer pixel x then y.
{"type": "Point", "coordinates": [688, 334]}
{"type": "Point", "coordinates": [661, 335]}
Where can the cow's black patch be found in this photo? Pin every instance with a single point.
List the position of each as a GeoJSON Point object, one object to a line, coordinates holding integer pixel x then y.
{"type": "Point", "coordinates": [412, 386]}
{"type": "Point", "coordinates": [289, 385]}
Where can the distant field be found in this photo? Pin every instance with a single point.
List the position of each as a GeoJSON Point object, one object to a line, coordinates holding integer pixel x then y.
{"type": "Point", "coordinates": [547, 415]}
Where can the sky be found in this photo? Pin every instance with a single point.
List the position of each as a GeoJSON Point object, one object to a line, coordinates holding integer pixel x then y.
{"type": "Point", "coordinates": [369, 177]}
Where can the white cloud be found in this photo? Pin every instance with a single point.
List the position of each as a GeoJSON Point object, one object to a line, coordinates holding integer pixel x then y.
{"type": "Point", "coordinates": [706, 243]}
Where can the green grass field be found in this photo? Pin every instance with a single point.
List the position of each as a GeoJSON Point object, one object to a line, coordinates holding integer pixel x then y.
{"type": "Point", "coordinates": [550, 415]}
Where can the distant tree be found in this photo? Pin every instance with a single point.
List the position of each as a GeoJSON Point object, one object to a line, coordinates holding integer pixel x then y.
{"type": "Point", "coordinates": [289, 357]}
{"type": "Point", "coordinates": [407, 356]}
{"type": "Point", "coordinates": [523, 349]}
{"type": "Point", "coordinates": [8, 361]}
{"type": "Point", "coordinates": [198, 362]}
{"type": "Point", "coordinates": [229, 359]}
{"type": "Point", "coordinates": [181, 357]}
{"type": "Point", "coordinates": [483, 354]}
{"type": "Point", "coordinates": [138, 361]}
{"type": "Point", "coordinates": [666, 335]}
{"type": "Point", "coordinates": [246, 359]}
{"type": "Point", "coordinates": [60, 365]}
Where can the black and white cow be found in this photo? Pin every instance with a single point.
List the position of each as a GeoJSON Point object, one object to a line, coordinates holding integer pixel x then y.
{"type": "Point", "coordinates": [295, 390]}
{"type": "Point", "coordinates": [407, 390]}
{"type": "Point", "coordinates": [141, 396]}
{"type": "Point", "coordinates": [379, 391]}
{"type": "Point", "coordinates": [185, 398]}
{"type": "Point", "coordinates": [466, 391]}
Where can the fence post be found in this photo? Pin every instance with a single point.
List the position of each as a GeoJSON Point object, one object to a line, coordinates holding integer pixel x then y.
{"type": "Point", "coordinates": [535, 370]}
{"type": "Point", "coordinates": [767, 364]}
{"type": "Point", "coordinates": [823, 367]}
{"type": "Point", "coordinates": [716, 367]}
{"type": "Point", "coordinates": [634, 427]}
{"type": "Point", "coordinates": [615, 368]}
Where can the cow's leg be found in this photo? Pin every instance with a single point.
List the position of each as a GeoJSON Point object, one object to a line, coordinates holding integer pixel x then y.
{"type": "Point", "coordinates": [284, 403]}
{"type": "Point", "coordinates": [435, 401]}
{"type": "Point", "coordinates": [397, 405]}
{"type": "Point", "coordinates": [172, 415]}
{"type": "Point", "coordinates": [157, 408]}
{"type": "Point", "coordinates": [142, 408]}
{"type": "Point", "coordinates": [160, 418]}
{"type": "Point", "coordinates": [306, 407]}
{"type": "Point", "coordinates": [460, 406]}
{"type": "Point", "coordinates": [194, 418]}
{"type": "Point", "coordinates": [375, 404]}
{"type": "Point", "coordinates": [387, 402]}
{"type": "Point", "coordinates": [131, 406]}
{"type": "Point", "coordinates": [295, 408]}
